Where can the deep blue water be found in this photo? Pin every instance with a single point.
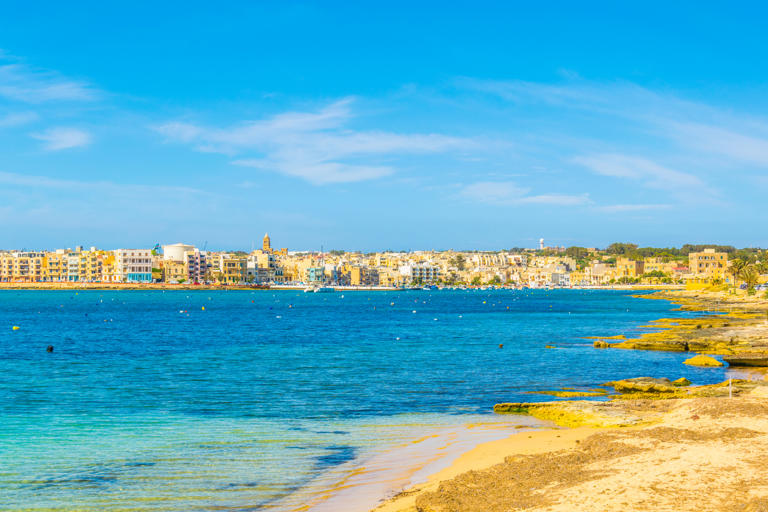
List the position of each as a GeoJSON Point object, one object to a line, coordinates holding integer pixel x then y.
{"type": "Point", "coordinates": [151, 402]}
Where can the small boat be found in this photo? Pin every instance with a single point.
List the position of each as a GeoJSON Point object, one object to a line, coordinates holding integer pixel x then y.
{"type": "Point", "coordinates": [319, 289]}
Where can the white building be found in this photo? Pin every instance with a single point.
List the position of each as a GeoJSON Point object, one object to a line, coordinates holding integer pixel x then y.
{"type": "Point", "coordinates": [421, 272]}
{"type": "Point", "coordinates": [195, 260]}
{"type": "Point", "coordinates": [134, 265]}
{"type": "Point", "coordinates": [175, 252]}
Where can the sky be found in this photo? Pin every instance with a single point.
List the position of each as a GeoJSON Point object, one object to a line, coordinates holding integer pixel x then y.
{"type": "Point", "coordinates": [382, 126]}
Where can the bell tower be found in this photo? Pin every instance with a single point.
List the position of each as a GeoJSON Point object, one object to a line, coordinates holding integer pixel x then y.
{"type": "Point", "coordinates": [266, 244]}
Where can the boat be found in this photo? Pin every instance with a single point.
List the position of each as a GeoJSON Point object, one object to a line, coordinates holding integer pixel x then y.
{"type": "Point", "coordinates": [319, 289]}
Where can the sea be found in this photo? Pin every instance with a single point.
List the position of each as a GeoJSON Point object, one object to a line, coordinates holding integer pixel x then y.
{"type": "Point", "coordinates": [250, 400]}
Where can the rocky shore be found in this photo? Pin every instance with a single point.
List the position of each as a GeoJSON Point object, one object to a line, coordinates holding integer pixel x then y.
{"type": "Point", "coordinates": [656, 444]}
{"type": "Point", "coordinates": [735, 327]}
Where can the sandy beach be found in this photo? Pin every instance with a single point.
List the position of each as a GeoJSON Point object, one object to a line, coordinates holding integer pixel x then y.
{"type": "Point", "coordinates": [653, 446]}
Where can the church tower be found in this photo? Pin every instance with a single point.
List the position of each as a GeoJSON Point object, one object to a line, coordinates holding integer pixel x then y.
{"type": "Point", "coordinates": [266, 245]}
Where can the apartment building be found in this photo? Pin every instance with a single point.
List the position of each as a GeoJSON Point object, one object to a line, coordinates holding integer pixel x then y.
{"type": "Point", "coordinates": [133, 265]}
{"type": "Point", "coordinates": [709, 263]}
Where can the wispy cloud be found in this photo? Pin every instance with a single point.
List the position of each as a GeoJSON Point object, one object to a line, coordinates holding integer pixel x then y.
{"type": "Point", "coordinates": [17, 119]}
{"type": "Point", "coordinates": [736, 146]}
{"type": "Point", "coordinates": [10, 179]}
{"type": "Point", "coordinates": [56, 139]}
{"type": "Point", "coordinates": [648, 173]}
{"type": "Point", "coordinates": [510, 193]}
{"type": "Point", "coordinates": [315, 146]}
{"type": "Point", "coordinates": [19, 82]}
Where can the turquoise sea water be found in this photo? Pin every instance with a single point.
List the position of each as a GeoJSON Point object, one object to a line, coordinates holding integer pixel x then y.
{"type": "Point", "coordinates": [150, 402]}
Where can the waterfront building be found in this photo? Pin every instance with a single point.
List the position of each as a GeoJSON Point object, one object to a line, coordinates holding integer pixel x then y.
{"type": "Point", "coordinates": [420, 272]}
{"type": "Point", "coordinates": [363, 276]}
{"type": "Point", "coordinates": [21, 267]}
{"type": "Point", "coordinates": [55, 266]}
{"type": "Point", "coordinates": [316, 275]}
{"type": "Point", "coordinates": [709, 264]}
{"type": "Point", "coordinates": [626, 267]}
{"type": "Point", "coordinates": [176, 252]}
{"type": "Point", "coordinates": [233, 269]}
{"type": "Point", "coordinates": [659, 265]}
{"type": "Point", "coordinates": [133, 265]}
{"type": "Point", "coordinates": [193, 261]}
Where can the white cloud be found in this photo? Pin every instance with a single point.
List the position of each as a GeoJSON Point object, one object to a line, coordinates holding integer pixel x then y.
{"type": "Point", "coordinates": [321, 173]}
{"type": "Point", "coordinates": [750, 149]}
{"type": "Point", "coordinates": [509, 193]}
{"type": "Point", "coordinates": [649, 173]}
{"type": "Point", "coordinates": [37, 182]}
{"type": "Point", "coordinates": [315, 146]}
{"type": "Point", "coordinates": [56, 139]}
{"type": "Point", "coordinates": [17, 119]}
{"type": "Point", "coordinates": [21, 83]}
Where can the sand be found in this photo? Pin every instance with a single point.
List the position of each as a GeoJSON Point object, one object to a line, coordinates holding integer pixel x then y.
{"type": "Point", "coordinates": [702, 454]}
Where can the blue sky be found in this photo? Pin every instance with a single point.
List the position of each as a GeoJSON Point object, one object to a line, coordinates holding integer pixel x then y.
{"type": "Point", "coordinates": [382, 126]}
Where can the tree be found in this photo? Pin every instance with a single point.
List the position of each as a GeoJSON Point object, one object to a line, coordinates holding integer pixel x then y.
{"type": "Point", "coordinates": [749, 275]}
{"type": "Point", "coordinates": [621, 249]}
{"type": "Point", "coordinates": [577, 253]}
{"type": "Point", "coordinates": [476, 280]}
{"type": "Point", "coordinates": [737, 265]}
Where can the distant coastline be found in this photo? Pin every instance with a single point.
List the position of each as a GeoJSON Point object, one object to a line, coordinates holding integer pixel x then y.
{"type": "Point", "coordinates": [299, 287]}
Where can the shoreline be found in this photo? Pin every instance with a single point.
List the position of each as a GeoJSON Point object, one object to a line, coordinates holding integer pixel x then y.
{"type": "Point", "coordinates": [231, 287]}
{"type": "Point", "coordinates": [687, 455]}
{"type": "Point", "coordinates": [360, 484]}
{"type": "Point", "coordinates": [480, 478]}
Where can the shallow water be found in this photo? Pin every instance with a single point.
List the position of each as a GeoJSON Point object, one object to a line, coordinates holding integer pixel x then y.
{"type": "Point", "coordinates": [151, 402]}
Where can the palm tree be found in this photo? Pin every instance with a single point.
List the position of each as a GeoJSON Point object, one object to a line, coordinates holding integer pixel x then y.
{"type": "Point", "coordinates": [749, 275]}
{"type": "Point", "coordinates": [737, 265]}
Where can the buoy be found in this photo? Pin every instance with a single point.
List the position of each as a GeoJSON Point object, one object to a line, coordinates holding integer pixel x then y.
{"type": "Point", "coordinates": [413, 311]}
{"type": "Point", "coordinates": [49, 348]}
{"type": "Point", "coordinates": [203, 308]}
{"type": "Point", "coordinates": [501, 345]}
{"type": "Point", "coordinates": [16, 327]}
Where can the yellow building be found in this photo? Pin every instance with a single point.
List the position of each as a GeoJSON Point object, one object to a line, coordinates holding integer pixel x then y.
{"type": "Point", "coordinates": [658, 265]}
{"type": "Point", "coordinates": [709, 263]}
{"type": "Point", "coordinates": [626, 267]}
{"type": "Point", "coordinates": [233, 269]}
{"type": "Point", "coordinates": [55, 266]}
{"type": "Point", "coordinates": [363, 276]}
{"type": "Point", "coordinates": [175, 271]}
{"type": "Point", "coordinates": [21, 267]}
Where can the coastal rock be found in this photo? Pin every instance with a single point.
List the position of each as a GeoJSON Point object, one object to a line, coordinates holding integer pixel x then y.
{"type": "Point", "coordinates": [601, 344]}
{"type": "Point", "coordinates": [572, 413]}
{"type": "Point", "coordinates": [747, 359]}
{"type": "Point", "coordinates": [681, 382]}
{"type": "Point", "coordinates": [701, 360]}
{"type": "Point", "coordinates": [643, 385]}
